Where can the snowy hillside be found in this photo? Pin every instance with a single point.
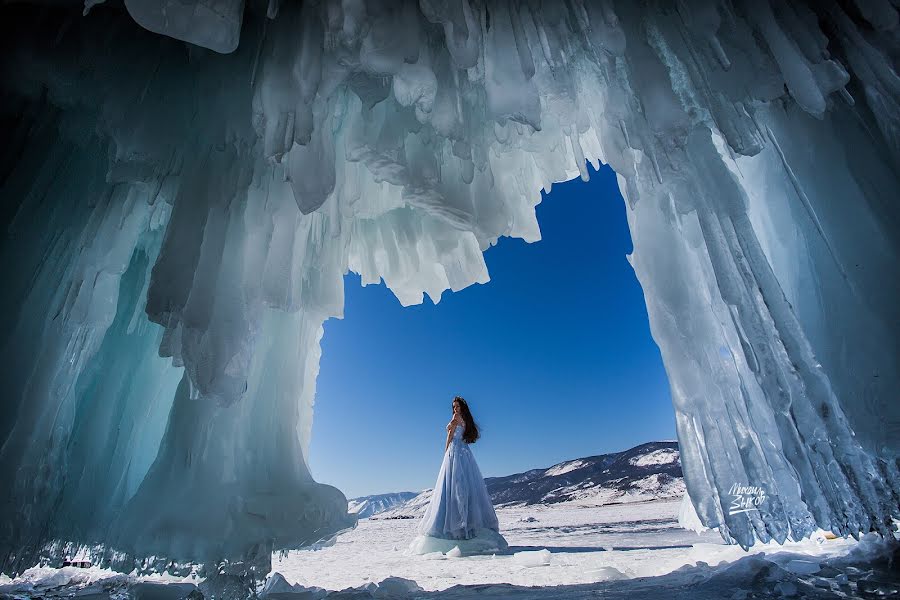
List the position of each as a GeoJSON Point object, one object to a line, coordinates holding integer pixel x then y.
{"type": "Point", "coordinates": [412, 509]}
{"type": "Point", "coordinates": [647, 472]}
{"type": "Point", "coordinates": [366, 506]}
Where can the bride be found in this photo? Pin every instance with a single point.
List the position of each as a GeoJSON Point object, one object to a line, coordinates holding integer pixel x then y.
{"type": "Point", "coordinates": [461, 513]}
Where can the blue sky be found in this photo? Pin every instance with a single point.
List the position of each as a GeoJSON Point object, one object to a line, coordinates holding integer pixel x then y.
{"type": "Point", "coordinates": [554, 355]}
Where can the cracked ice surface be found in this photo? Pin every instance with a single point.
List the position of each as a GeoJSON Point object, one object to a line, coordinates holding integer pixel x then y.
{"type": "Point", "coordinates": [179, 222]}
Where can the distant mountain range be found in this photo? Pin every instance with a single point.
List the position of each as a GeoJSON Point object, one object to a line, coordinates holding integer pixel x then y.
{"type": "Point", "coordinates": [647, 472]}
{"type": "Point", "coordinates": [366, 506]}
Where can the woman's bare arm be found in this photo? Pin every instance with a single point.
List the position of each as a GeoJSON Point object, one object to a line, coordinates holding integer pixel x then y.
{"type": "Point", "coordinates": [450, 429]}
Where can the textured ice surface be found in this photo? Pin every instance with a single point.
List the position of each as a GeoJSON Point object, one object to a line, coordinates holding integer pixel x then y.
{"type": "Point", "coordinates": [178, 223]}
{"type": "Point", "coordinates": [214, 24]}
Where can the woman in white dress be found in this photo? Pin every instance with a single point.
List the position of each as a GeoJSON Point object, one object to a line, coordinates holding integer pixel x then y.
{"type": "Point", "coordinates": [461, 513]}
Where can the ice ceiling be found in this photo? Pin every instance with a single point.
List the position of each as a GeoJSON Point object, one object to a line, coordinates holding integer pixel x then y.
{"type": "Point", "coordinates": [185, 183]}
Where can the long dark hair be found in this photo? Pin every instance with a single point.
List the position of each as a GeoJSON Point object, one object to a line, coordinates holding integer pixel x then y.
{"type": "Point", "coordinates": [471, 433]}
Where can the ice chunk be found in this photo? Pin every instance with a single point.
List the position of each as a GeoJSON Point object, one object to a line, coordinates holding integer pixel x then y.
{"type": "Point", "coordinates": [606, 574]}
{"type": "Point", "coordinates": [146, 590]}
{"type": "Point", "coordinates": [277, 588]}
{"type": "Point", "coordinates": [397, 587]}
{"type": "Point", "coordinates": [213, 24]}
{"type": "Point", "coordinates": [687, 516]}
{"type": "Point", "coordinates": [803, 567]}
{"type": "Point", "coordinates": [536, 558]}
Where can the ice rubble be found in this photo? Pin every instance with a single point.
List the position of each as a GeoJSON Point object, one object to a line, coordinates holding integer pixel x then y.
{"type": "Point", "coordinates": [179, 222]}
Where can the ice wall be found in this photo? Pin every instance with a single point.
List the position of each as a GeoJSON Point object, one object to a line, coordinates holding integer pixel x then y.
{"type": "Point", "coordinates": [179, 221]}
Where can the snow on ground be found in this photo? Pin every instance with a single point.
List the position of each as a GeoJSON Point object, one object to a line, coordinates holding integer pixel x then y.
{"type": "Point", "coordinates": [586, 544]}
{"type": "Point", "coordinates": [633, 551]}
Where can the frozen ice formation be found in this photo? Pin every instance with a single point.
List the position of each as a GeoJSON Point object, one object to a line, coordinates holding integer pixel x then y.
{"type": "Point", "coordinates": [485, 541]}
{"type": "Point", "coordinates": [184, 185]}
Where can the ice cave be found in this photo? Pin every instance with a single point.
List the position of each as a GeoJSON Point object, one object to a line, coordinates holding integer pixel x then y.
{"type": "Point", "coordinates": [185, 183]}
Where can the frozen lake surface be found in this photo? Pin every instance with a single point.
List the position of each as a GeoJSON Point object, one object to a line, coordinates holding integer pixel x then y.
{"type": "Point", "coordinates": [629, 551]}
{"type": "Point", "coordinates": [636, 539]}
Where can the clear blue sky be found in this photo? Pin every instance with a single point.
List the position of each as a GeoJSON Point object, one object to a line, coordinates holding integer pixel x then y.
{"type": "Point", "coordinates": [554, 356]}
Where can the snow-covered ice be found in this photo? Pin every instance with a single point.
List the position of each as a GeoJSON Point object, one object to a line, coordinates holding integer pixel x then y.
{"type": "Point", "coordinates": [570, 543]}
{"type": "Point", "coordinates": [634, 551]}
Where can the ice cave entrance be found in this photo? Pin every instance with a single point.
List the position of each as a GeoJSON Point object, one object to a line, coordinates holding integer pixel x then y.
{"type": "Point", "coordinates": [554, 354]}
{"type": "Point", "coordinates": [252, 180]}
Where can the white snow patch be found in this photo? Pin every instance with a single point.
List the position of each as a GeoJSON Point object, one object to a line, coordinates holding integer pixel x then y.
{"type": "Point", "coordinates": [563, 468]}
{"type": "Point", "coordinates": [662, 456]}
